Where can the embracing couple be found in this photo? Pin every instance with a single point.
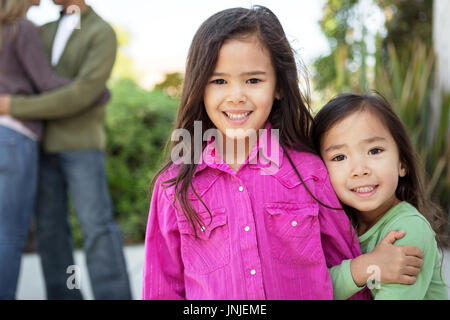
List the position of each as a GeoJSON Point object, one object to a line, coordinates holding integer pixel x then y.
{"type": "Point", "coordinates": [53, 96]}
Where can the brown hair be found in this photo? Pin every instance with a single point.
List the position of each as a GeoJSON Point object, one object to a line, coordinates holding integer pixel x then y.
{"type": "Point", "coordinates": [290, 114]}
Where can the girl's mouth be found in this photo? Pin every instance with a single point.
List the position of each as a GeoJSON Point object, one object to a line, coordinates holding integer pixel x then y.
{"type": "Point", "coordinates": [365, 191]}
{"type": "Point", "coordinates": [237, 117]}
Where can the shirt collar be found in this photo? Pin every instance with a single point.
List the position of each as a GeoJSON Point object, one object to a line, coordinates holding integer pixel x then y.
{"type": "Point", "coordinates": [266, 154]}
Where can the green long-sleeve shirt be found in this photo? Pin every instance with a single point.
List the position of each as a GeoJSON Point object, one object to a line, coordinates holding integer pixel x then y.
{"type": "Point", "coordinates": [72, 122]}
{"type": "Point", "coordinates": [429, 285]}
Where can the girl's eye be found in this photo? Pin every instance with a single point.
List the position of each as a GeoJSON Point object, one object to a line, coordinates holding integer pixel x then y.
{"type": "Point", "coordinates": [338, 158]}
{"type": "Point", "coordinates": [375, 151]}
{"type": "Point", "coordinates": [218, 81]}
{"type": "Point", "coordinates": [253, 81]}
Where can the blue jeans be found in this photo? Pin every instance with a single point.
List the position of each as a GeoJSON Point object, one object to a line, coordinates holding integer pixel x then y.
{"type": "Point", "coordinates": [18, 181]}
{"type": "Point", "coordinates": [80, 175]}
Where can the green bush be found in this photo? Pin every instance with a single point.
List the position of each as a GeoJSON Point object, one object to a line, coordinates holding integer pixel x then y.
{"type": "Point", "coordinates": [407, 84]}
{"type": "Point", "coordinates": [138, 124]}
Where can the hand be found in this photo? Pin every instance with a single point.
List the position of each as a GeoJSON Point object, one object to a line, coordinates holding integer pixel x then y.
{"type": "Point", "coordinates": [396, 264]}
{"type": "Point", "coordinates": [5, 101]}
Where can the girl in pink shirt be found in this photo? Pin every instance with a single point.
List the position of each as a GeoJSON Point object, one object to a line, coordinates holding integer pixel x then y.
{"type": "Point", "coordinates": [244, 208]}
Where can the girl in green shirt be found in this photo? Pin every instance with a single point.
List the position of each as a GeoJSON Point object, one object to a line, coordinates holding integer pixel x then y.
{"type": "Point", "coordinates": [376, 175]}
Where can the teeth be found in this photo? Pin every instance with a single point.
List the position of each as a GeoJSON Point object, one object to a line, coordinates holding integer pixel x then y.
{"type": "Point", "coordinates": [234, 116]}
{"type": "Point", "coordinates": [364, 189]}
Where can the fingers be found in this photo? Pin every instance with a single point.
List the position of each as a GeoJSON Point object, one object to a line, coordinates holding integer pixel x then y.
{"type": "Point", "coordinates": [413, 262]}
{"type": "Point", "coordinates": [412, 251]}
{"type": "Point", "coordinates": [399, 234]}
{"type": "Point", "coordinates": [405, 279]}
{"type": "Point", "coordinates": [392, 236]}
{"type": "Point", "coordinates": [411, 271]}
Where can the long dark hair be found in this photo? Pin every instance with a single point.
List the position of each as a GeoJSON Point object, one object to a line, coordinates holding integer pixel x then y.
{"type": "Point", "coordinates": [410, 187]}
{"type": "Point", "coordinates": [290, 114]}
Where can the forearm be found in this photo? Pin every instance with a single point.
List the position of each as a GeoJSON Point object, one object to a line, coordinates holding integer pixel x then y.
{"type": "Point", "coordinates": [86, 88]}
{"type": "Point", "coordinates": [395, 291]}
{"type": "Point", "coordinates": [359, 267]}
{"type": "Point", "coordinates": [343, 284]}
{"type": "Point", "coordinates": [60, 103]}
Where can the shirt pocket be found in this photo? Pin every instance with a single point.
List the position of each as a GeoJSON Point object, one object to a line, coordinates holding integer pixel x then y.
{"type": "Point", "coordinates": [210, 250]}
{"type": "Point", "coordinates": [294, 233]}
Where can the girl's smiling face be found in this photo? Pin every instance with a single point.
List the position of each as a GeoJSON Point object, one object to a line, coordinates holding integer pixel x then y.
{"type": "Point", "coordinates": [242, 88]}
{"type": "Point", "coordinates": [363, 163]}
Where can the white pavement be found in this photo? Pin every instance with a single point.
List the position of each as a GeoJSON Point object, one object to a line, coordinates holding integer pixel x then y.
{"type": "Point", "coordinates": [31, 284]}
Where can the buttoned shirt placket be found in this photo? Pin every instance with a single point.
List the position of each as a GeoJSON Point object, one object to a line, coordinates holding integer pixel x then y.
{"type": "Point", "coordinates": [248, 243]}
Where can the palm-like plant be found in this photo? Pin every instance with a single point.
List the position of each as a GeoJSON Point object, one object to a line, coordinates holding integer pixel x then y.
{"type": "Point", "coordinates": [406, 82]}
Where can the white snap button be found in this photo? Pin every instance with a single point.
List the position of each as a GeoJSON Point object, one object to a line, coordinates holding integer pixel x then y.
{"type": "Point", "coordinates": [253, 272]}
{"type": "Point", "coordinates": [247, 228]}
{"type": "Point", "coordinates": [241, 188]}
{"type": "Point", "coordinates": [294, 223]}
{"type": "Point", "coordinates": [203, 229]}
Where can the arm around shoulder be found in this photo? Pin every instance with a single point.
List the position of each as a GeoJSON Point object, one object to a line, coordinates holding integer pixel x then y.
{"type": "Point", "coordinates": [418, 233]}
{"type": "Point", "coordinates": [86, 88]}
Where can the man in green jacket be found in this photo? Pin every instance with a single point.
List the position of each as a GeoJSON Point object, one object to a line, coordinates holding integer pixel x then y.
{"type": "Point", "coordinates": [82, 47]}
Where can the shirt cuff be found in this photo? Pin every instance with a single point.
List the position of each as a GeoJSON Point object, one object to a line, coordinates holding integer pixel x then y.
{"type": "Point", "coordinates": [344, 285]}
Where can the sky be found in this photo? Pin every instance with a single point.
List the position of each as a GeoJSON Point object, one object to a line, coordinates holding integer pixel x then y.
{"type": "Point", "coordinates": [161, 31]}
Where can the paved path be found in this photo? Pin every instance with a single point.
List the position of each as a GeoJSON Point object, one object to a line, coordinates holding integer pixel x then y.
{"type": "Point", "coordinates": [31, 282]}
{"type": "Point", "coordinates": [31, 285]}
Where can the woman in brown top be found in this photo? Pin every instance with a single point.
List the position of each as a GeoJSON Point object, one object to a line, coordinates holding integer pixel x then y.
{"type": "Point", "coordinates": [24, 70]}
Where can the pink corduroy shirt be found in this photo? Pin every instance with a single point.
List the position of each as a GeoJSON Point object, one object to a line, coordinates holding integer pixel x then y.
{"type": "Point", "coordinates": [267, 239]}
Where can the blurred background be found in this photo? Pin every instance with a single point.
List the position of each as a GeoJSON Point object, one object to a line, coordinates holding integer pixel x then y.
{"type": "Point", "coordinates": [398, 47]}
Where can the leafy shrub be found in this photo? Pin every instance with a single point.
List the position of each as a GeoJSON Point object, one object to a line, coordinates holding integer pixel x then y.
{"type": "Point", "coordinates": [408, 87]}
{"type": "Point", "coordinates": [138, 124]}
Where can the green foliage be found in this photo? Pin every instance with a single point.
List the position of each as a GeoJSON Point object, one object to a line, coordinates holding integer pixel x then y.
{"type": "Point", "coordinates": [171, 85]}
{"type": "Point", "coordinates": [138, 125]}
{"type": "Point", "coordinates": [406, 20]}
{"type": "Point", "coordinates": [335, 25]}
{"type": "Point", "coordinates": [345, 68]}
{"type": "Point", "coordinates": [335, 21]}
{"type": "Point", "coordinates": [407, 86]}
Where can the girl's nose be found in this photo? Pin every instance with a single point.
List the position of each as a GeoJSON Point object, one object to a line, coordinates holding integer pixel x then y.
{"type": "Point", "coordinates": [237, 95]}
{"type": "Point", "coordinates": [360, 169]}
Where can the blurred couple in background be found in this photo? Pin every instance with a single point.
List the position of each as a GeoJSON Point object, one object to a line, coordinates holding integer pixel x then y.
{"type": "Point", "coordinates": [52, 108]}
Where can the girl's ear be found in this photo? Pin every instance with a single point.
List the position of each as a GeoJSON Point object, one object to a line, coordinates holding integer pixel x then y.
{"type": "Point", "coordinates": [402, 170]}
